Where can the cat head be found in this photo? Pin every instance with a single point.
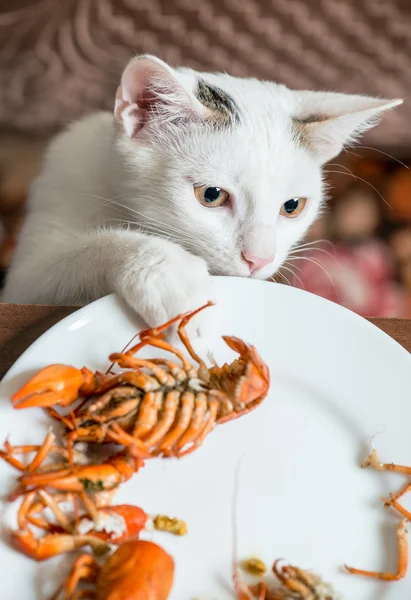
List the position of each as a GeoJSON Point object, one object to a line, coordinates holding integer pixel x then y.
{"type": "Point", "coordinates": [230, 168]}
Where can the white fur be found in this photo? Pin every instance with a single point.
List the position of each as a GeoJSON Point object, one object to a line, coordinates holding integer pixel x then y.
{"type": "Point", "coordinates": [114, 208]}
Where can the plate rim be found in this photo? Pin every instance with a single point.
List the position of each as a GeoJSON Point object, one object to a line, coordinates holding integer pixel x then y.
{"type": "Point", "coordinates": [77, 314]}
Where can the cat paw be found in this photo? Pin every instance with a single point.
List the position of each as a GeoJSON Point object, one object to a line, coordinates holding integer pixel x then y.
{"type": "Point", "coordinates": [163, 281]}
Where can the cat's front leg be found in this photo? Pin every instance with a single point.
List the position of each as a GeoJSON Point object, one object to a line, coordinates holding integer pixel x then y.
{"type": "Point", "coordinates": [157, 278]}
{"type": "Point", "coordinates": [161, 280]}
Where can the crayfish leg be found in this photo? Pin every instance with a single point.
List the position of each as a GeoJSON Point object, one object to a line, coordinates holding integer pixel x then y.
{"type": "Point", "coordinates": [182, 423]}
{"type": "Point", "coordinates": [213, 407]}
{"type": "Point", "coordinates": [203, 371]}
{"type": "Point", "coordinates": [54, 414]}
{"type": "Point", "coordinates": [42, 453]}
{"type": "Point", "coordinates": [86, 568]}
{"type": "Point", "coordinates": [25, 509]}
{"type": "Point", "coordinates": [171, 405]}
{"type": "Point", "coordinates": [163, 345]}
{"type": "Point", "coordinates": [30, 506]}
{"type": "Point", "coordinates": [14, 462]}
{"type": "Point", "coordinates": [156, 332]}
{"type": "Point", "coordinates": [402, 492]}
{"type": "Point", "coordinates": [392, 501]}
{"type": "Point", "coordinates": [372, 461]}
{"type": "Point", "coordinates": [54, 544]}
{"type": "Point", "coordinates": [197, 421]}
{"type": "Point", "coordinates": [402, 559]}
{"type": "Point", "coordinates": [119, 436]}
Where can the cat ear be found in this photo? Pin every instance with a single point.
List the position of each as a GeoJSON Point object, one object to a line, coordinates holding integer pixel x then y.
{"type": "Point", "coordinates": [326, 121]}
{"type": "Point", "coordinates": [150, 88]}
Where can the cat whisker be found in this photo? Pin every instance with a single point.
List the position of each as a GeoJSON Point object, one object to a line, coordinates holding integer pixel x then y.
{"type": "Point", "coordinates": [382, 152]}
{"type": "Point", "coordinates": [140, 228]}
{"type": "Point", "coordinates": [346, 169]}
{"type": "Point", "coordinates": [137, 227]}
{"type": "Point", "coordinates": [347, 151]}
{"type": "Point", "coordinates": [289, 270]}
{"type": "Point", "coordinates": [318, 264]}
{"type": "Point", "coordinates": [290, 264]}
{"type": "Point", "coordinates": [178, 237]}
{"type": "Point", "coordinates": [105, 201]}
{"type": "Point", "coordinates": [104, 198]}
{"type": "Point", "coordinates": [280, 274]}
{"type": "Point", "coordinates": [312, 249]}
{"type": "Point", "coordinates": [323, 241]}
{"type": "Point", "coordinates": [356, 177]}
{"type": "Point", "coordinates": [190, 244]}
{"type": "Point", "coordinates": [164, 226]}
{"type": "Point", "coordinates": [120, 221]}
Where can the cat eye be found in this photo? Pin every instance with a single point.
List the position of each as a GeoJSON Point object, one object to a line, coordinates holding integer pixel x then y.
{"type": "Point", "coordinates": [211, 197]}
{"type": "Point", "coordinates": [294, 207]}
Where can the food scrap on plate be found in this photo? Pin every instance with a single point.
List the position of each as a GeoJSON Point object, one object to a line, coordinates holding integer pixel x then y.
{"type": "Point", "coordinates": [153, 408]}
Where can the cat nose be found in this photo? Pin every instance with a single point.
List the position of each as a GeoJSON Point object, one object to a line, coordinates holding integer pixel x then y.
{"type": "Point", "coordinates": [257, 262]}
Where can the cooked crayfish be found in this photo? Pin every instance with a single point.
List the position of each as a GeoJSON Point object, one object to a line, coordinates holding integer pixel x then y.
{"type": "Point", "coordinates": [80, 479]}
{"type": "Point", "coordinates": [157, 406]}
{"type": "Point", "coordinates": [294, 583]}
{"type": "Point", "coordinates": [154, 407]}
{"type": "Point", "coordinates": [137, 570]}
{"type": "Point", "coordinates": [105, 525]}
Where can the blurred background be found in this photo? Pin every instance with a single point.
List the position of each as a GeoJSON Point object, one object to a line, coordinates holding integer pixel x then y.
{"type": "Point", "coordinates": [60, 59]}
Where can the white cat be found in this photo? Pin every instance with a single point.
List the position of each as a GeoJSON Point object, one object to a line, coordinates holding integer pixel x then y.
{"type": "Point", "coordinates": [195, 174]}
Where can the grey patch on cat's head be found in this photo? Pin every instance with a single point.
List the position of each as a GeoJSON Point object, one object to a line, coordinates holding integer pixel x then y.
{"type": "Point", "coordinates": [301, 129]}
{"type": "Point", "coordinates": [222, 107]}
{"type": "Point", "coordinates": [314, 118]}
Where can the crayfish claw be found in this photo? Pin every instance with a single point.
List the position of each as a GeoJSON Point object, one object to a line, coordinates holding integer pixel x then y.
{"type": "Point", "coordinates": [56, 384]}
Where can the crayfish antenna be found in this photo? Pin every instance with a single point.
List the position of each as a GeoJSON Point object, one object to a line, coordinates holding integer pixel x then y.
{"type": "Point", "coordinates": [242, 590]}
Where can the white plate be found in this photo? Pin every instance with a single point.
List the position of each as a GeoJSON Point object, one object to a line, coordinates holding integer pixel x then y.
{"type": "Point", "coordinates": [336, 379]}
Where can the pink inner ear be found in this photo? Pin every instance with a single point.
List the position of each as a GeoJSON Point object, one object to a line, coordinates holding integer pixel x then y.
{"type": "Point", "coordinates": [134, 119]}
{"type": "Point", "coordinates": [148, 98]}
{"type": "Point", "coordinates": [136, 79]}
{"type": "Point", "coordinates": [151, 90]}
{"type": "Point", "coordinates": [135, 97]}
{"type": "Point", "coordinates": [135, 115]}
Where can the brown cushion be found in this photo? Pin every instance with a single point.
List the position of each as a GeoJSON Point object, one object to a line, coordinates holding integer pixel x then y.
{"type": "Point", "coordinates": [62, 58]}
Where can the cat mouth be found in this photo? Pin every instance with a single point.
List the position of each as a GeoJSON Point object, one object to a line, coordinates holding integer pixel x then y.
{"type": "Point", "coordinates": [261, 275]}
{"type": "Point", "coordinates": [242, 270]}
{"type": "Point", "coordinates": [264, 273]}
